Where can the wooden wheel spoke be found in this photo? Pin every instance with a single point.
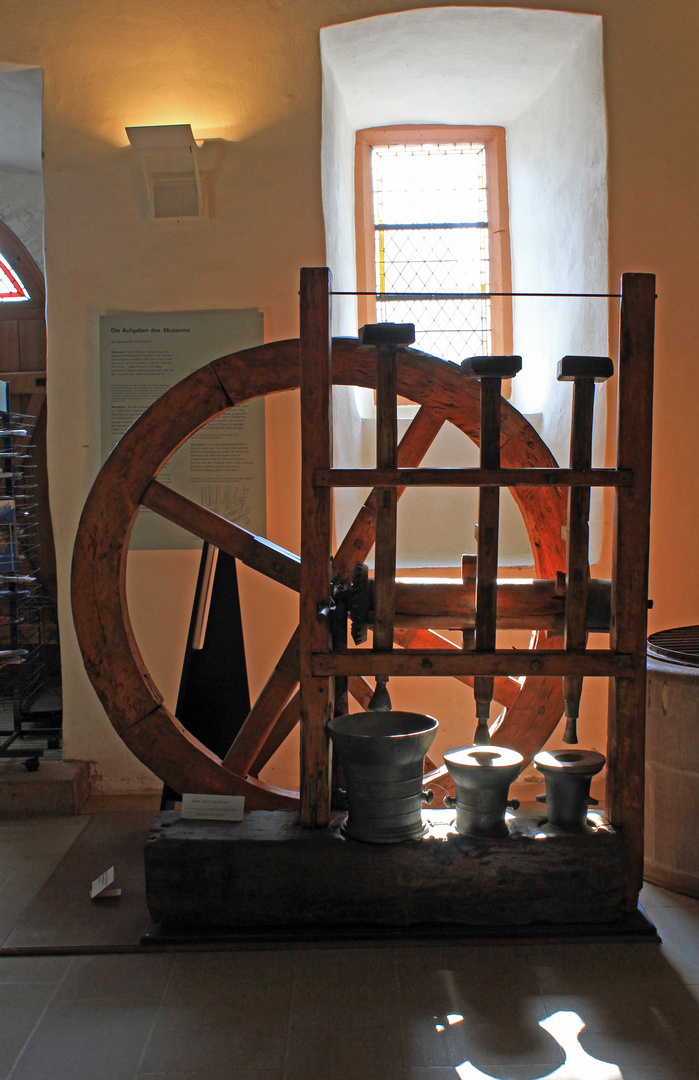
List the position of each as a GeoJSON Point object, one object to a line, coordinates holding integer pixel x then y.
{"type": "Point", "coordinates": [412, 448]}
{"type": "Point", "coordinates": [287, 721]}
{"type": "Point", "coordinates": [255, 551]}
{"type": "Point", "coordinates": [263, 716]}
{"type": "Point", "coordinates": [361, 690]}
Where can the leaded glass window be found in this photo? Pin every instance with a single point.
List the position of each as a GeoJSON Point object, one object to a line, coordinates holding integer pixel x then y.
{"type": "Point", "coordinates": [11, 287]}
{"type": "Point", "coordinates": [432, 219]}
{"type": "Point", "coordinates": [431, 236]}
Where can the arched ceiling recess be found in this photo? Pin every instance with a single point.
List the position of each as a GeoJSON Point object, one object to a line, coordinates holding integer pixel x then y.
{"type": "Point", "coordinates": [449, 65]}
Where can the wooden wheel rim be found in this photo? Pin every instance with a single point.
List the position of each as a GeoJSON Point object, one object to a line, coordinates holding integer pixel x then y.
{"type": "Point", "coordinates": [112, 658]}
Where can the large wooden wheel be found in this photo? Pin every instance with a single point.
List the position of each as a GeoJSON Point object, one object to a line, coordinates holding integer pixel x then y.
{"type": "Point", "coordinates": [128, 480]}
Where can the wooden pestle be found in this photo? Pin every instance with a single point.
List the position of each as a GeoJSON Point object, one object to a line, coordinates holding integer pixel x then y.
{"type": "Point", "coordinates": [583, 372]}
{"type": "Point", "coordinates": [490, 370]}
{"type": "Point", "coordinates": [386, 337]}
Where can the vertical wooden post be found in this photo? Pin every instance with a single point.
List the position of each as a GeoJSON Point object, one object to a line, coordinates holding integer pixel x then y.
{"type": "Point", "coordinates": [629, 630]}
{"type": "Point", "coordinates": [316, 694]}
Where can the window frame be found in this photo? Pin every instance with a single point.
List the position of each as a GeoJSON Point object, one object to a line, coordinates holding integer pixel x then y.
{"type": "Point", "coordinates": [499, 268]}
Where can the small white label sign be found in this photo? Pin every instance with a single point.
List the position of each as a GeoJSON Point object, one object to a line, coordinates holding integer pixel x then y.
{"type": "Point", "coordinates": [213, 807]}
{"type": "Point", "coordinates": [99, 885]}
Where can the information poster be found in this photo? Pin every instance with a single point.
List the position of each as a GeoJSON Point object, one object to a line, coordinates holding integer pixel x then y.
{"type": "Point", "coordinates": [223, 465]}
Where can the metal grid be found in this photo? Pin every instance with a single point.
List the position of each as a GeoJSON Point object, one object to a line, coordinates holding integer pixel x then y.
{"type": "Point", "coordinates": [26, 615]}
{"type": "Point", "coordinates": [431, 235]}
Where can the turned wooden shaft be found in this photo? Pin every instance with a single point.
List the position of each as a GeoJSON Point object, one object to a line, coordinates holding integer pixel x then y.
{"type": "Point", "coordinates": [487, 545]}
{"type": "Point", "coordinates": [522, 605]}
{"type": "Point", "coordinates": [577, 552]}
{"type": "Point", "coordinates": [385, 498]}
{"type": "Point", "coordinates": [468, 578]}
{"type": "Point", "coordinates": [583, 372]}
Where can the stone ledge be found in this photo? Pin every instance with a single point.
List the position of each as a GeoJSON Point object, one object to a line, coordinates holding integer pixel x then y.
{"type": "Point", "coordinates": [269, 871]}
{"type": "Point", "coordinates": [56, 789]}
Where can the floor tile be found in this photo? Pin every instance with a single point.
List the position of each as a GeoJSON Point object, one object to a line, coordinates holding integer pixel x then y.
{"type": "Point", "coordinates": [532, 1071]}
{"type": "Point", "coordinates": [30, 850]}
{"type": "Point", "coordinates": [33, 969]}
{"type": "Point", "coordinates": [681, 952]}
{"type": "Point", "coordinates": [654, 895]}
{"type": "Point", "coordinates": [667, 1071]}
{"type": "Point", "coordinates": [332, 1053]}
{"type": "Point", "coordinates": [568, 968]}
{"type": "Point", "coordinates": [129, 977]}
{"type": "Point", "coordinates": [21, 1007]}
{"type": "Point", "coordinates": [259, 982]}
{"type": "Point", "coordinates": [466, 972]}
{"type": "Point", "coordinates": [474, 993]}
{"type": "Point", "coordinates": [87, 1041]}
{"type": "Point", "coordinates": [354, 988]}
{"type": "Point", "coordinates": [211, 1032]}
{"type": "Point", "coordinates": [439, 1072]}
{"type": "Point", "coordinates": [487, 1047]}
{"type": "Point", "coordinates": [639, 1052]}
{"type": "Point", "coordinates": [214, 1074]}
{"type": "Point", "coordinates": [500, 1031]}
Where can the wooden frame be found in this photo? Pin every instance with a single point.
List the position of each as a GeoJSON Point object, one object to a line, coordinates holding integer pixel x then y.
{"type": "Point", "coordinates": [493, 138]}
{"type": "Point", "coordinates": [624, 663]}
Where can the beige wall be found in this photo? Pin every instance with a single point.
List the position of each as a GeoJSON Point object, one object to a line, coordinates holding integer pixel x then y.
{"type": "Point", "coordinates": [248, 75]}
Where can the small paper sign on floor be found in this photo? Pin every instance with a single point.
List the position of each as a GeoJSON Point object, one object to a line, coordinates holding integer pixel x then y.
{"type": "Point", "coordinates": [213, 807]}
{"type": "Point", "coordinates": [100, 885]}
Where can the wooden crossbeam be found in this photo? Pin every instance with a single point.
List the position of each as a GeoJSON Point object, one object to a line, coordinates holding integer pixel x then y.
{"type": "Point", "coordinates": [448, 662]}
{"type": "Point", "coordinates": [529, 478]}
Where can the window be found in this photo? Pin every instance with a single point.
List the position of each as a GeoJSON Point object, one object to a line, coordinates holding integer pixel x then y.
{"type": "Point", "coordinates": [431, 216]}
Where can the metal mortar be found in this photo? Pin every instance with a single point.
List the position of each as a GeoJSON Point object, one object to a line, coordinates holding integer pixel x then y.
{"type": "Point", "coordinates": [568, 774]}
{"type": "Point", "coordinates": [482, 776]}
{"type": "Point", "coordinates": [383, 757]}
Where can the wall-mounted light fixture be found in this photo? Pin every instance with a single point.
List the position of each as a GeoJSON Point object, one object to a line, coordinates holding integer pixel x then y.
{"type": "Point", "coordinates": [168, 154]}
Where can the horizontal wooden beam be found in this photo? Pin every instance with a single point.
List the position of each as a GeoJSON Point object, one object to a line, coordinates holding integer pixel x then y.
{"type": "Point", "coordinates": [447, 662]}
{"type": "Point", "coordinates": [369, 478]}
{"type": "Point", "coordinates": [25, 382]}
{"type": "Point", "coordinates": [22, 309]}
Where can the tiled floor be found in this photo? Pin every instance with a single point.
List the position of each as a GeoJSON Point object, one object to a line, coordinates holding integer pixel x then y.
{"type": "Point", "coordinates": [513, 1012]}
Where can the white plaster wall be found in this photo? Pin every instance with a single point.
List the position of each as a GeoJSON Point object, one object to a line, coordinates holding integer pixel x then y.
{"type": "Point", "coordinates": [337, 163]}
{"type": "Point", "coordinates": [538, 74]}
{"type": "Point", "coordinates": [556, 152]}
{"type": "Point", "coordinates": [21, 191]}
{"type": "Point", "coordinates": [22, 209]}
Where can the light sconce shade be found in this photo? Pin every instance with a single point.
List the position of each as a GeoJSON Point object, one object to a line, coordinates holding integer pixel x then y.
{"type": "Point", "coordinates": [168, 154]}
